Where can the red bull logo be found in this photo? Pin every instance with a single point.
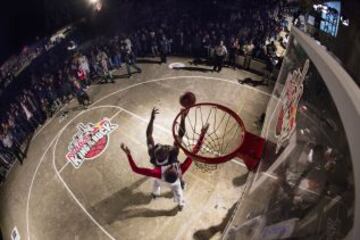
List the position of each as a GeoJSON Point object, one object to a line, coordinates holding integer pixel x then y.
{"type": "Point", "coordinates": [290, 98]}
{"type": "Point", "coordinates": [90, 141]}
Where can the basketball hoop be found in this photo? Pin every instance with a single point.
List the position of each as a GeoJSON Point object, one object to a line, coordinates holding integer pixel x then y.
{"type": "Point", "coordinates": [225, 139]}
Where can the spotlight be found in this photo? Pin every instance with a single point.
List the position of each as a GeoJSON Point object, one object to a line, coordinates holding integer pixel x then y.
{"type": "Point", "coordinates": [96, 5]}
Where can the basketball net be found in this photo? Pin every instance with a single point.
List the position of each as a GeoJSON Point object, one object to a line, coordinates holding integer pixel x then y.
{"type": "Point", "coordinates": [225, 139]}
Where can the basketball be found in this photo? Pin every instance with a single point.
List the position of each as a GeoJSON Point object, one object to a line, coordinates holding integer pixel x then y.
{"type": "Point", "coordinates": [187, 99]}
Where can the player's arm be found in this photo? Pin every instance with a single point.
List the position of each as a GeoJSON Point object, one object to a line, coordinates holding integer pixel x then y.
{"type": "Point", "coordinates": [182, 129]}
{"type": "Point", "coordinates": [149, 130]}
{"type": "Point", "coordinates": [156, 172]}
{"type": "Point", "coordinates": [188, 161]}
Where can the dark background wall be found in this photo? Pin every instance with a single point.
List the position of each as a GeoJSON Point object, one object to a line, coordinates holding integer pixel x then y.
{"type": "Point", "coordinates": [20, 22]}
{"type": "Point", "coordinates": [347, 44]}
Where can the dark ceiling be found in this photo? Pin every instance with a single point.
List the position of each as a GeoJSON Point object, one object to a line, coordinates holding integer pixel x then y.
{"type": "Point", "coordinates": [20, 22]}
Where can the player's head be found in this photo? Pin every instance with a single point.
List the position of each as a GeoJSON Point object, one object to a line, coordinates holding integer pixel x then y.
{"type": "Point", "coordinates": [161, 152]}
{"type": "Point", "coordinates": [171, 175]}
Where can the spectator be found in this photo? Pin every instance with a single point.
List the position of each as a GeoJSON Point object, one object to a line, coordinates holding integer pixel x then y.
{"type": "Point", "coordinates": [164, 49]}
{"type": "Point", "coordinates": [220, 55]}
{"type": "Point", "coordinates": [233, 51]}
{"type": "Point", "coordinates": [81, 95]}
{"type": "Point", "coordinates": [104, 64]}
{"type": "Point", "coordinates": [130, 61]}
{"type": "Point", "coordinates": [248, 52]}
{"type": "Point", "coordinates": [154, 44]}
{"type": "Point", "coordinates": [10, 146]}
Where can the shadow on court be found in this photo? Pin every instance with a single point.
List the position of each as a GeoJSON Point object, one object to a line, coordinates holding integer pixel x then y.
{"type": "Point", "coordinates": [115, 207]}
{"type": "Point", "coordinates": [148, 61]}
{"type": "Point", "coordinates": [252, 82]}
{"type": "Point", "coordinates": [147, 213]}
{"type": "Point", "coordinates": [208, 233]}
{"type": "Point", "coordinates": [240, 180]}
{"type": "Point", "coordinates": [194, 69]}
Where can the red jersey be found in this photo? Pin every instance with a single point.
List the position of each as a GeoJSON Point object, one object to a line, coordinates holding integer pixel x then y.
{"type": "Point", "coordinates": [81, 74]}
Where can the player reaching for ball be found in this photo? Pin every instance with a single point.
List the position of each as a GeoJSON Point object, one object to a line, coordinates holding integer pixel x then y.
{"type": "Point", "coordinates": [161, 154]}
{"type": "Point", "coordinates": [168, 174]}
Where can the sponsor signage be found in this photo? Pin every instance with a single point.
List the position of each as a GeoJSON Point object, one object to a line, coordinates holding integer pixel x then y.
{"type": "Point", "coordinates": [90, 141]}
{"type": "Point", "coordinates": [290, 98]}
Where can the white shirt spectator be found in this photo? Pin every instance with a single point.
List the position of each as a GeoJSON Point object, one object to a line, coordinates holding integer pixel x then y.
{"type": "Point", "coordinates": [128, 45]}
{"type": "Point", "coordinates": [248, 48]}
{"type": "Point", "coordinates": [221, 51]}
{"type": "Point", "coordinates": [7, 141]}
{"type": "Point", "coordinates": [28, 114]}
{"type": "Point", "coordinates": [84, 64]}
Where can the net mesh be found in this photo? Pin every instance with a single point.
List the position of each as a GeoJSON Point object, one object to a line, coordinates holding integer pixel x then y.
{"type": "Point", "coordinates": [206, 168]}
{"type": "Point", "coordinates": [224, 135]}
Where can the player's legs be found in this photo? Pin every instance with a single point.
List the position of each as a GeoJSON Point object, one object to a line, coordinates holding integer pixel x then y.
{"type": "Point", "coordinates": [178, 194]}
{"type": "Point", "coordinates": [156, 188]}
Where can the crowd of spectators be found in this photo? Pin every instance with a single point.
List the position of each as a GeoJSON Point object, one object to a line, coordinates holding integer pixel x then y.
{"type": "Point", "coordinates": [54, 85]}
{"type": "Point", "coordinates": [13, 67]}
{"type": "Point", "coordinates": [15, 64]}
{"type": "Point", "coordinates": [250, 32]}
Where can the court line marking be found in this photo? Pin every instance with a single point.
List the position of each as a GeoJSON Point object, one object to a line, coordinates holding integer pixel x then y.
{"type": "Point", "coordinates": [54, 117]}
{"type": "Point", "coordinates": [45, 125]}
{"type": "Point", "coordinates": [196, 77]}
{"type": "Point", "coordinates": [114, 93]}
{"type": "Point", "coordinates": [31, 186]}
{"type": "Point", "coordinates": [63, 181]}
{"type": "Point", "coordinates": [64, 166]}
{"type": "Point", "coordinates": [41, 161]}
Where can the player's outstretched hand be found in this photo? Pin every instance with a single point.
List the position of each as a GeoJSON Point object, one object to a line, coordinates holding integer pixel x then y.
{"type": "Point", "coordinates": [125, 148]}
{"type": "Point", "coordinates": [154, 112]}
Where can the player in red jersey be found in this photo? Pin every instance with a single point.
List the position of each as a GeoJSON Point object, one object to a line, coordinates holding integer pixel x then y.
{"type": "Point", "coordinates": [168, 174]}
